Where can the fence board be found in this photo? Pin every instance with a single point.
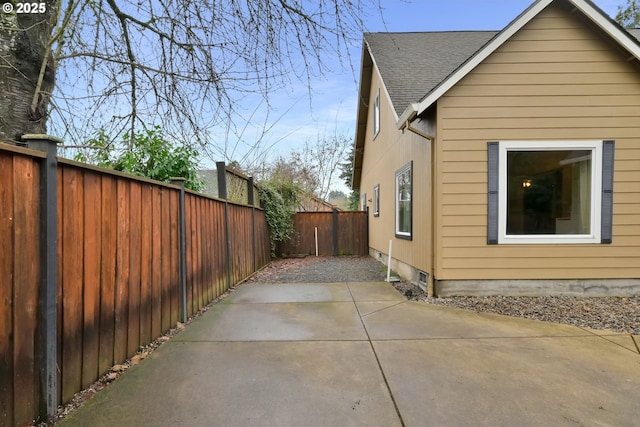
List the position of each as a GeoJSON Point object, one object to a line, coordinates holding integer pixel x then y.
{"type": "Point", "coordinates": [198, 285]}
{"type": "Point", "coordinates": [6, 289]}
{"type": "Point", "coordinates": [145, 267]}
{"type": "Point", "coordinates": [92, 253]}
{"type": "Point", "coordinates": [135, 256]}
{"type": "Point", "coordinates": [25, 291]}
{"type": "Point", "coordinates": [207, 251]}
{"type": "Point", "coordinates": [156, 262]}
{"type": "Point", "coordinates": [174, 258]}
{"type": "Point", "coordinates": [221, 236]}
{"type": "Point", "coordinates": [59, 295]}
{"type": "Point", "coordinates": [241, 243]}
{"type": "Point", "coordinates": [191, 244]}
{"type": "Point", "coordinates": [72, 270]}
{"type": "Point", "coordinates": [166, 250]}
{"type": "Point", "coordinates": [108, 273]}
{"type": "Point", "coordinates": [122, 272]}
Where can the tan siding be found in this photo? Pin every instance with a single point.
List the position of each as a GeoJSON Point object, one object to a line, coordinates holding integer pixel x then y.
{"type": "Point", "coordinates": [574, 101]}
{"type": "Point", "coordinates": [486, 272]}
{"type": "Point", "coordinates": [463, 237]}
{"type": "Point", "coordinates": [464, 199]}
{"type": "Point", "coordinates": [383, 156]}
{"type": "Point", "coordinates": [545, 112]}
{"type": "Point", "coordinates": [556, 79]}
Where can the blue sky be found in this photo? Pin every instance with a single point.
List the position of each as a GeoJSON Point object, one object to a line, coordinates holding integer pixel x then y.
{"type": "Point", "coordinates": [331, 108]}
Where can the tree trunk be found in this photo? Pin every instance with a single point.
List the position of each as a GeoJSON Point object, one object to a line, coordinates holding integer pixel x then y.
{"type": "Point", "coordinates": [24, 92]}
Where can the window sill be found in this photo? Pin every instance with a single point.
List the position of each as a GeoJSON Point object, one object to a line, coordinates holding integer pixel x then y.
{"type": "Point", "coordinates": [404, 236]}
{"type": "Point", "coordinates": [549, 240]}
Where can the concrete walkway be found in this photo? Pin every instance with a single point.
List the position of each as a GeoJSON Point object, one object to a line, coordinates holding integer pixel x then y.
{"type": "Point", "coordinates": [359, 354]}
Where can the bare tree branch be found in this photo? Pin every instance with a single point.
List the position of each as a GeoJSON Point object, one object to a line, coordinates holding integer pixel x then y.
{"type": "Point", "coordinates": [181, 64]}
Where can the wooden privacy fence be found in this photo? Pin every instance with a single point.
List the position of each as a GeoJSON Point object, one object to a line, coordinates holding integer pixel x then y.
{"type": "Point", "coordinates": [96, 264]}
{"type": "Point", "coordinates": [338, 233]}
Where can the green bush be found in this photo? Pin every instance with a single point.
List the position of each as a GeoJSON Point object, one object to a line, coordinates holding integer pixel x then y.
{"type": "Point", "coordinates": [278, 202]}
{"type": "Point", "coordinates": [149, 154]}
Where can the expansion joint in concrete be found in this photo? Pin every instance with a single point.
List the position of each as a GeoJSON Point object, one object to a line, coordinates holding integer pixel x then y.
{"type": "Point", "coordinates": [375, 354]}
{"type": "Point", "coordinates": [635, 342]}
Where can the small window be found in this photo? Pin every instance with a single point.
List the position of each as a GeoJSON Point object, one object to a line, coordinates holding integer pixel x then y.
{"type": "Point", "coordinates": [404, 202]}
{"type": "Point", "coordinates": [376, 115]}
{"type": "Point", "coordinates": [363, 202]}
{"type": "Point", "coordinates": [550, 192]}
{"type": "Point", "coordinates": [376, 200]}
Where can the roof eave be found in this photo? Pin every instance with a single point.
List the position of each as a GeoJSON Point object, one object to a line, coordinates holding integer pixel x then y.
{"type": "Point", "coordinates": [366, 69]}
{"type": "Point", "coordinates": [408, 115]}
{"type": "Point", "coordinates": [585, 6]}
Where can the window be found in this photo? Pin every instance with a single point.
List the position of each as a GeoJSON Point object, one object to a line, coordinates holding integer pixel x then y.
{"type": "Point", "coordinates": [550, 191]}
{"type": "Point", "coordinates": [404, 202]}
{"type": "Point", "coordinates": [376, 115]}
{"type": "Point", "coordinates": [363, 202]}
{"type": "Point", "coordinates": [376, 200]}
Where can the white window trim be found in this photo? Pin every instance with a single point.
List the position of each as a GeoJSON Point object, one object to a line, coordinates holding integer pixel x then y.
{"type": "Point", "coordinates": [376, 115]}
{"type": "Point", "coordinates": [596, 192]}
{"type": "Point", "coordinates": [376, 200]}
{"type": "Point", "coordinates": [402, 170]}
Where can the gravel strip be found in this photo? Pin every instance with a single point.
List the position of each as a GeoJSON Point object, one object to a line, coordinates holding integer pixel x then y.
{"type": "Point", "coordinates": [313, 269]}
{"type": "Point", "coordinates": [608, 313]}
{"type": "Point", "coordinates": [617, 314]}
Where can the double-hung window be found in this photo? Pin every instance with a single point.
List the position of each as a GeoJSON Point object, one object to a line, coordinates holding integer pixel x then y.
{"type": "Point", "coordinates": [404, 195]}
{"type": "Point", "coordinates": [550, 192]}
{"type": "Point", "coordinates": [376, 200]}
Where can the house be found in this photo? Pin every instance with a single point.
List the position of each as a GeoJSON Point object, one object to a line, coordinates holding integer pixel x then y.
{"type": "Point", "coordinates": [316, 204]}
{"type": "Point", "coordinates": [505, 162]}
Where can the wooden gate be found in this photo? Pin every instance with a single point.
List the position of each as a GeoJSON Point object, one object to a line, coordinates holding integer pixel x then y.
{"type": "Point", "coordinates": [335, 233]}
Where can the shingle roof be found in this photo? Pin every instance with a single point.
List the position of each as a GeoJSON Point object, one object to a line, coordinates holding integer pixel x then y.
{"type": "Point", "coordinates": [412, 64]}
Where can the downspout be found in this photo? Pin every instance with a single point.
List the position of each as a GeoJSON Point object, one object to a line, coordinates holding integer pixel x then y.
{"type": "Point", "coordinates": [407, 125]}
{"type": "Point", "coordinates": [431, 288]}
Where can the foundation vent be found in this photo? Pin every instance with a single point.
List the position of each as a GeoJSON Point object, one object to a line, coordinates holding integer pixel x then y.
{"type": "Point", "coordinates": [422, 280]}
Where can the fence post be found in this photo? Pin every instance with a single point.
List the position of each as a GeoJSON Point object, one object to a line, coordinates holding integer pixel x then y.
{"type": "Point", "coordinates": [335, 232]}
{"type": "Point", "coordinates": [251, 201]}
{"type": "Point", "coordinates": [48, 287]}
{"type": "Point", "coordinates": [183, 248]}
{"type": "Point", "coordinates": [222, 193]}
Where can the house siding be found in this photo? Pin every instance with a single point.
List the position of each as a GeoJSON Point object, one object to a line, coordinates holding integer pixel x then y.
{"type": "Point", "coordinates": [389, 151]}
{"type": "Point", "coordinates": [556, 79]}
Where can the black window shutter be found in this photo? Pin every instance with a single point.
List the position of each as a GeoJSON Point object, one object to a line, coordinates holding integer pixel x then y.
{"type": "Point", "coordinates": [608, 151]}
{"type": "Point", "coordinates": [492, 202]}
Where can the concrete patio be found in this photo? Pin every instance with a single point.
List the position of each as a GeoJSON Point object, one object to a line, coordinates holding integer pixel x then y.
{"type": "Point", "coordinates": [359, 354]}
